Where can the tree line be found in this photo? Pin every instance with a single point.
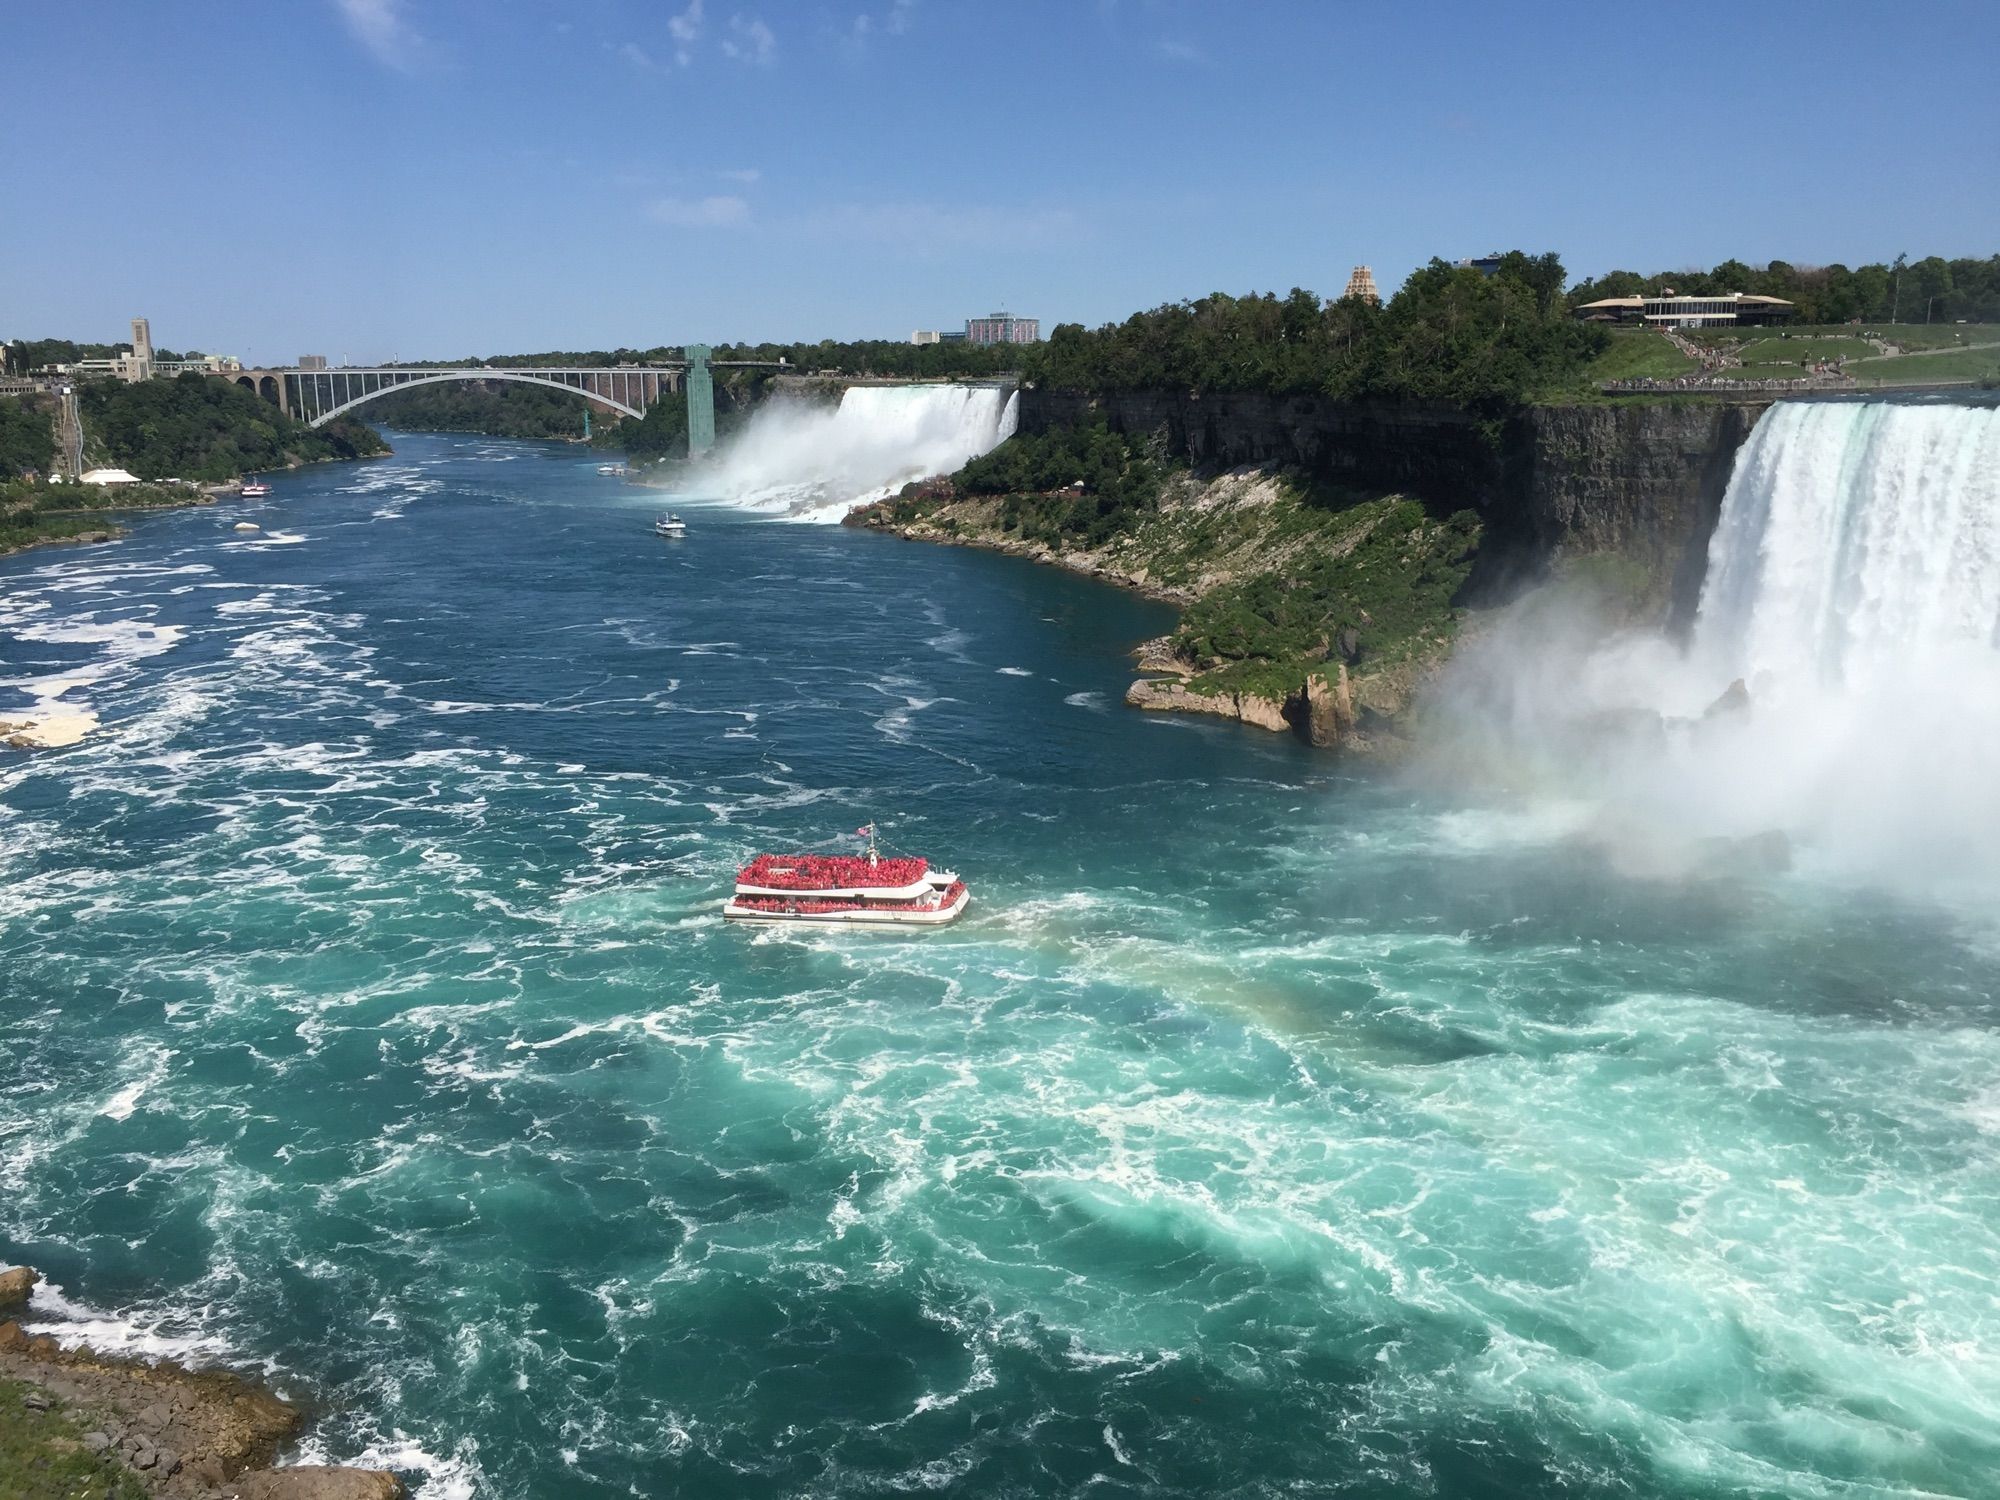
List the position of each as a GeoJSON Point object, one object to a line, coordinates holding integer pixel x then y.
{"type": "Point", "coordinates": [197, 427]}
{"type": "Point", "coordinates": [1931, 290]}
{"type": "Point", "coordinates": [492, 408]}
{"type": "Point", "coordinates": [1449, 334]}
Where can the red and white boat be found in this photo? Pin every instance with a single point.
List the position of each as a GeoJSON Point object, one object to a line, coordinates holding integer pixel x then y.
{"type": "Point", "coordinates": [846, 890]}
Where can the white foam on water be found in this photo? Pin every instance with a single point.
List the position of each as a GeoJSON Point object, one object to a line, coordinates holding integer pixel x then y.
{"type": "Point", "coordinates": [1015, 672]}
{"type": "Point", "coordinates": [122, 1104]}
{"type": "Point", "coordinates": [453, 1477]}
{"type": "Point", "coordinates": [73, 1324]}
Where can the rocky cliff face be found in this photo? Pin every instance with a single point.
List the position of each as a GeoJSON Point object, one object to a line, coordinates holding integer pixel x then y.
{"type": "Point", "coordinates": [1438, 452]}
{"type": "Point", "coordinates": [1641, 481]}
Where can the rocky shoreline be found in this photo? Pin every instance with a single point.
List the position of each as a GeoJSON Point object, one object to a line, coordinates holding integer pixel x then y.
{"type": "Point", "coordinates": [1330, 706]}
{"type": "Point", "coordinates": [128, 1428]}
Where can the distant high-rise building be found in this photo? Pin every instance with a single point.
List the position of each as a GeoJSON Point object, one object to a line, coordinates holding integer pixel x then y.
{"type": "Point", "coordinates": [1003, 328]}
{"type": "Point", "coordinates": [1361, 283]}
{"type": "Point", "coordinates": [142, 348]}
{"type": "Point", "coordinates": [312, 361]}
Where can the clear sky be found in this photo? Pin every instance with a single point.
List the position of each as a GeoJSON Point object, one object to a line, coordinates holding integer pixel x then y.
{"type": "Point", "coordinates": [432, 178]}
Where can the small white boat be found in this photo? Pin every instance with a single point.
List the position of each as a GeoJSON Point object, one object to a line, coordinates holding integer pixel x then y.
{"type": "Point", "coordinates": [670, 525]}
{"type": "Point", "coordinates": [254, 489]}
{"type": "Point", "coordinates": [611, 468]}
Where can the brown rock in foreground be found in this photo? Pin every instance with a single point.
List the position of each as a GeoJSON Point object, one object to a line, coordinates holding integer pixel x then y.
{"type": "Point", "coordinates": [305, 1483]}
{"type": "Point", "coordinates": [15, 1285]}
{"type": "Point", "coordinates": [183, 1434]}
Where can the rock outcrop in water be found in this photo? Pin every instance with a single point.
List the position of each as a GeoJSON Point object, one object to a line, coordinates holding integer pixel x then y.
{"type": "Point", "coordinates": [181, 1434]}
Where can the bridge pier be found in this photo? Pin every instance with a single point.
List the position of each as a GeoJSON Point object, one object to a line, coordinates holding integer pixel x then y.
{"type": "Point", "coordinates": [701, 400]}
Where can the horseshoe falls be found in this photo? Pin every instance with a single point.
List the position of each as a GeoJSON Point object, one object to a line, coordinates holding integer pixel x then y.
{"type": "Point", "coordinates": [807, 462]}
{"type": "Point", "coordinates": [1268, 1127]}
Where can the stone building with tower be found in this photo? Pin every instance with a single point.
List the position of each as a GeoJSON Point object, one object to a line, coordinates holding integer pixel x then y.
{"type": "Point", "coordinates": [1361, 283]}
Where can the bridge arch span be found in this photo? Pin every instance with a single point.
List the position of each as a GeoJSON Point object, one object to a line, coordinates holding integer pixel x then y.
{"type": "Point", "coordinates": [440, 377]}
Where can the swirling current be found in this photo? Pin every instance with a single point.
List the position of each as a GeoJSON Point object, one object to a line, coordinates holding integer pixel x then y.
{"type": "Point", "coordinates": [1267, 1128]}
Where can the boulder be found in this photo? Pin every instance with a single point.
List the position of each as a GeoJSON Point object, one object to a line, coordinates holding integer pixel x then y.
{"type": "Point", "coordinates": [247, 526]}
{"type": "Point", "coordinates": [15, 1285]}
{"type": "Point", "coordinates": [309, 1483]}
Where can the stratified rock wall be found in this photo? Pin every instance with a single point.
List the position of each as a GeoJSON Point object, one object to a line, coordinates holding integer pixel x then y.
{"type": "Point", "coordinates": [1640, 480]}
{"type": "Point", "coordinates": [1644, 482]}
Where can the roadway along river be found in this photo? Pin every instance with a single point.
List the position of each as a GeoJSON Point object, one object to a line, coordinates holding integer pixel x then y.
{"type": "Point", "coordinates": [1263, 1130]}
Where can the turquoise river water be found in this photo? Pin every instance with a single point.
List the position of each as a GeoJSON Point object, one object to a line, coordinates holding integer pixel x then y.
{"type": "Point", "coordinates": [1266, 1128]}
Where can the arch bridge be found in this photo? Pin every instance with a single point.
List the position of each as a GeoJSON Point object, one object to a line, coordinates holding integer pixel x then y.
{"type": "Point", "coordinates": [316, 397]}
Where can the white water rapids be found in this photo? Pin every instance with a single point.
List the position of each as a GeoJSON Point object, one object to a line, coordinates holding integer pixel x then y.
{"type": "Point", "coordinates": [1853, 589]}
{"type": "Point", "coordinates": [804, 462]}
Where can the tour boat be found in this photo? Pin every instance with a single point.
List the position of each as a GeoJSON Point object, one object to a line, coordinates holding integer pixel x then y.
{"type": "Point", "coordinates": [255, 489]}
{"type": "Point", "coordinates": [671, 526]}
{"type": "Point", "coordinates": [846, 890]}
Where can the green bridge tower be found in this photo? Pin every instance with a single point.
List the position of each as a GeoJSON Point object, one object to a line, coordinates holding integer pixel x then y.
{"type": "Point", "coordinates": [701, 401]}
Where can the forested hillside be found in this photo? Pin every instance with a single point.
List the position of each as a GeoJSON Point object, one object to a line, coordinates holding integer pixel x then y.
{"type": "Point", "coordinates": [27, 439]}
{"type": "Point", "coordinates": [196, 427]}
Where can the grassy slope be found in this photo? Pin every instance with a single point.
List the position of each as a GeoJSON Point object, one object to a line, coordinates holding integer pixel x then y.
{"type": "Point", "coordinates": [1955, 364]}
{"type": "Point", "coordinates": [42, 1457]}
{"type": "Point", "coordinates": [1640, 354]}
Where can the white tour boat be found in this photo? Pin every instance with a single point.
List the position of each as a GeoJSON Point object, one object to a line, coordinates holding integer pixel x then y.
{"type": "Point", "coordinates": [254, 489]}
{"type": "Point", "coordinates": [846, 890]}
{"type": "Point", "coordinates": [672, 526]}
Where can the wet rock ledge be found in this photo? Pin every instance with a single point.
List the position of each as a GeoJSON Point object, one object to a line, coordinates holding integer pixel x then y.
{"type": "Point", "coordinates": [136, 1429]}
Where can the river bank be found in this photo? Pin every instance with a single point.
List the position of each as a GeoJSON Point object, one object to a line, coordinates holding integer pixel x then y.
{"type": "Point", "coordinates": [1305, 610]}
{"type": "Point", "coordinates": [75, 1421]}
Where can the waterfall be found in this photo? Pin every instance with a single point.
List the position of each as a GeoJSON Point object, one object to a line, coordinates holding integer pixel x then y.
{"type": "Point", "coordinates": [1853, 589]}
{"type": "Point", "coordinates": [807, 462]}
{"type": "Point", "coordinates": [1857, 542]}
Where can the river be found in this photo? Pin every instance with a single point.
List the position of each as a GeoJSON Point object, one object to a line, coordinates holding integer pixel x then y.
{"type": "Point", "coordinates": [1268, 1127]}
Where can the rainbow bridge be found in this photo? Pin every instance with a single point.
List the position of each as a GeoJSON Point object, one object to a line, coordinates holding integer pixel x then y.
{"type": "Point", "coordinates": [317, 396]}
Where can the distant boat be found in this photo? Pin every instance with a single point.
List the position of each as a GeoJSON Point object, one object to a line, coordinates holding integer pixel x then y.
{"type": "Point", "coordinates": [672, 526]}
{"type": "Point", "coordinates": [611, 468]}
{"type": "Point", "coordinates": [255, 489]}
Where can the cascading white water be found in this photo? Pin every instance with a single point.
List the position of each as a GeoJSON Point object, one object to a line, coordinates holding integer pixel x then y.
{"type": "Point", "coordinates": [1854, 589]}
{"type": "Point", "coordinates": [1856, 540]}
{"type": "Point", "coordinates": [815, 463]}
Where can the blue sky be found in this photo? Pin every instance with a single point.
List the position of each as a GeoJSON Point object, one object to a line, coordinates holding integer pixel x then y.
{"type": "Point", "coordinates": [429, 178]}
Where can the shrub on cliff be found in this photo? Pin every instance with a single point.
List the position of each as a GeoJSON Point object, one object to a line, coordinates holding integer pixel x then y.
{"type": "Point", "coordinates": [1384, 578]}
{"type": "Point", "coordinates": [1078, 485]}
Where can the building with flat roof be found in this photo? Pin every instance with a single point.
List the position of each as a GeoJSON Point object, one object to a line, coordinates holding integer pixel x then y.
{"type": "Point", "coordinates": [1003, 328]}
{"type": "Point", "coordinates": [924, 336]}
{"type": "Point", "coordinates": [1671, 310]}
{"type": "Point", "coordinates": [312, 361]}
